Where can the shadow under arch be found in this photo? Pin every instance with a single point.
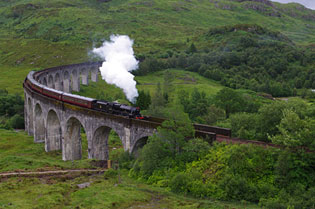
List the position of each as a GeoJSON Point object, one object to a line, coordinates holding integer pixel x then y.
{"type": "Point", "coordinates": [99, 149]}
{"type": "Point", "coordinates": [58, 84]}
{"type": "Point", "coordinates": [138, 145]}
{"type": "Point", "coordinates": [103, 138]}
{"type": "Point", "coordinates": [53, 137]}
{"type": "Point", "coordinates": [45, 81]}
{"type": "Point", "coordinates": [75, 80]}
{"type": "Point", "coordinates": [39, 135]}
{"type": "Point", "coordinates": [51, 83]}
{"type": "Point", "coordinates": [30, 117]}
{"type": "Point", "coordinates": [66, 82]}
{"type": "Point", "coordinates": [84, 76]}
{"type": "Point", "coordinates": [72, 140]}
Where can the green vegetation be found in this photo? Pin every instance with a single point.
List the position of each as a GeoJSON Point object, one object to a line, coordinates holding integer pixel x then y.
{"type": "Point", "coordinates": [287, 123]}
{"type": "Point", "coordinates": [11, 110]}
{"type": "Point", "coordinates": [273, 178]}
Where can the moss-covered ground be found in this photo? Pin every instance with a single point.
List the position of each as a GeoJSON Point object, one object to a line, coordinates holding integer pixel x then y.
{"type": "Point", "coordinates": [63, 192]}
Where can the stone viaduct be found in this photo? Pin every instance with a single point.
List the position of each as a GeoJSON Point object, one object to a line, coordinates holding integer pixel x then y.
{"type": "Point", "coordinates": [59, 124]}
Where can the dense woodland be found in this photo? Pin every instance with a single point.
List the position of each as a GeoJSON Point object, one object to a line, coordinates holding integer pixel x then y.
{"type": "Point", "coordinates": [246, 51]}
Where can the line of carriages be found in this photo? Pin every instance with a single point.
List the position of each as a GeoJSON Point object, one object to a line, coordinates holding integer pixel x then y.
{"type": "Point", "coordinates": [100, 105]}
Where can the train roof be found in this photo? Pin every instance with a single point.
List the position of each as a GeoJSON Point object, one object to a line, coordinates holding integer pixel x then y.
{"type": "Point", "coordinates": [78, 97]}
{"type": "Point", "coordinates": [103, 101]}
{"type": "Point", "coordinates": [53, 90]}
{"type": "Point", "coordinates": [30, 77]}
{"type": "Point", "coordinates": [127, 107]}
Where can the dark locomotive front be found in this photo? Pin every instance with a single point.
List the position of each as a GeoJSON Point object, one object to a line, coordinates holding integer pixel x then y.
{"type": "Point", "coordinates": [117, 109]}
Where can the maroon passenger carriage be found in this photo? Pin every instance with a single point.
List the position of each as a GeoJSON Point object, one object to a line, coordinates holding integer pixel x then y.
{"type": "Point", "coordinates": [78, 100]}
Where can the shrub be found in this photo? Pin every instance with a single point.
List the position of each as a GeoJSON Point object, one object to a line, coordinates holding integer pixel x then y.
{"type": "Point", "coordinates": [110, 173]}
{"type": "Point", "coordinates": [16, 122]}
{"type": "Point", "coordinates": [237, 187]}
{"type": "Point", "coordinates": [244, 125]}
{"type": "Point", "coordinates": [181, 183]}
{"type": "Point", "coordinates": [123, 158]}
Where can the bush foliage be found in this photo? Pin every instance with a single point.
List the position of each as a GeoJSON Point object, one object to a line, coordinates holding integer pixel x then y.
{"type": "Point", "coordinates": [11, 110]}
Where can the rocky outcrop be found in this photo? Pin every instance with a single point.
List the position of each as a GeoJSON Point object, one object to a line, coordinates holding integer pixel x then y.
{"type": "Point", "coordinates": [104, 0]}
{"type": "Point", "coordinates": [262, 8]}
{"type": "Point", "coordinates": [266, 2]}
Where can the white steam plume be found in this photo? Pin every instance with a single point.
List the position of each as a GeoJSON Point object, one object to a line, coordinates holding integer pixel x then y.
{"type": "Point", "coordinates": [119, 62]}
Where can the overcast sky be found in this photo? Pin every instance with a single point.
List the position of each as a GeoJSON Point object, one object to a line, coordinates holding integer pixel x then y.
{"type": "Point", "coordinates": [307, 3]}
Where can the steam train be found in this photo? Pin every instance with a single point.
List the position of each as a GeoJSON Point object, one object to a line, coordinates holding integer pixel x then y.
{"type": "Point", "coordinates": [100, 105]}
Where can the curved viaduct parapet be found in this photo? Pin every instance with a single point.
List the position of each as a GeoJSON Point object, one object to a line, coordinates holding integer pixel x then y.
{"type": "Point", "coordinates": [54, 116]}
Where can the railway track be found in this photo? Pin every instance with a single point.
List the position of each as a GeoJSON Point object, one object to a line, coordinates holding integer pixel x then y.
{"type": "Point", "coordinates": [231, 140]}
{"type": "Point", "coordinates": [50, 173]}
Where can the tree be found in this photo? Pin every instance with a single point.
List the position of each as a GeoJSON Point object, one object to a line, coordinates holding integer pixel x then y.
{"type": "Point", "coordinates": [214, 114]}
{"type": "Point", "coordinates": [244, 125]}
{"type": "Point", "coordinates": [158, 102]}
{"type": "Point", "coordinates": [174, 134]}
{"type": "Point", "coordinates": [192, 49]}
{"type": "Point", "coordinates": [196, 104]}
{"type": "Point", "coordinates": [168, 84]}
{"type": "Point", "coordinates": [143, 100]}
{"type": "Point", "coordinates": [10, 104]}
{"type": "Point", "coordinates": [229, 100]}
{"type": "Point", "coordinates": [182, 61]}
{"type": "Point", "coordinates": [165, 145]}
{"type": "Point", "coordinates": [294, 131]}
{"type": "Point", "coordinates": [199, 104]}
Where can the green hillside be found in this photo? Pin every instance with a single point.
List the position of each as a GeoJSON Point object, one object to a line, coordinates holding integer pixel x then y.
{"type": "Point", "coordinates": [44, 33]}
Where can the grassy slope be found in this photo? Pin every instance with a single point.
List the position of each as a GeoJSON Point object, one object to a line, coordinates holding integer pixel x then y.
{"type": "Point", "coordinates": [145, 21]}
{"type": "Point", "coordinates": [19, 152]}
{"type": "Point", "coordinates": [55, 192]}
{"type": "Point", "coordinates": [184, 80]}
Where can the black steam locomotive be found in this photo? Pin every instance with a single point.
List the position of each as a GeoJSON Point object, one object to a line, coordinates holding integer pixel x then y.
{"type": "Point", "coordinates": [117, 109]}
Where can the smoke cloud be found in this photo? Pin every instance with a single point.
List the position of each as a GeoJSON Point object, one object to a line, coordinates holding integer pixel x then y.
{"type": "Point", "coordinates": [119, 62]}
